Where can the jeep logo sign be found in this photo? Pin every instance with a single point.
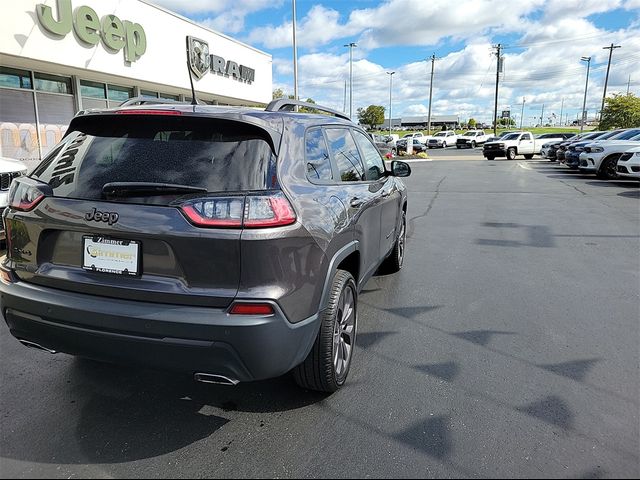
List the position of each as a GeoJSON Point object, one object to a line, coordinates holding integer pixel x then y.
{"type": "Point", "coordinates": [200, 62]}
{"type": "Point", "coordinates": [90, 29]}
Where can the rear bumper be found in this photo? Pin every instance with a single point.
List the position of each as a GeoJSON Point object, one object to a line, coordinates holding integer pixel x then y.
{"type": "Point", "coordinates": [172, 337]}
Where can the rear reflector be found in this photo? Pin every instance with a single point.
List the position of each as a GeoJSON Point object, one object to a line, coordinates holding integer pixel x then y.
{"type": "Point", "coordinates": [149, 112]}
{"type": "Point", "coordinates": [251, 309]}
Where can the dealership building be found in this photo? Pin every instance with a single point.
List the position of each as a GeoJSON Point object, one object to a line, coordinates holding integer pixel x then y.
{"type": "Point", "coordinates": [447, 121]}
{"type": "Point", "coordinates": [61, 56]}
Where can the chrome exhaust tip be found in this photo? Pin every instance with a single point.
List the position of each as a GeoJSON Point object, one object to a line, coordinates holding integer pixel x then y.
{"type": "Point", "coordinates": [215, 379]}
{"type": "Point", "coordinates": [36, 346]}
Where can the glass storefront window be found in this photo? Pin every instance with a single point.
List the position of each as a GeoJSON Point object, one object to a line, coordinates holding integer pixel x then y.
{"type": "Point", "coordinates": [11, 77]}
{"type": "Point", "coordinates": [53, 83]}
{"type": "Point", "coordinates": [148, 93]}
{"type": "Point", "coordinates": [167, 96]}
{"type": "Point", "coordinates": [92, 89]}
{"type": "Point", "coordinates": [119, 94]}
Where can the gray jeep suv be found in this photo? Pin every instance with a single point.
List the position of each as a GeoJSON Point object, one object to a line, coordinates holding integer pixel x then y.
{"type": "Point", "coordinates": [229, 243]}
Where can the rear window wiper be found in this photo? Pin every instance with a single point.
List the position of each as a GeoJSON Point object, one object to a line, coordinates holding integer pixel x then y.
{"type": "Point", "coordinates": [146, 189]}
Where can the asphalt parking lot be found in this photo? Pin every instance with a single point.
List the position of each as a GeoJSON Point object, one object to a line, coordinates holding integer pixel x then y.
{"type": "Point", "coordinates": [506, 347]}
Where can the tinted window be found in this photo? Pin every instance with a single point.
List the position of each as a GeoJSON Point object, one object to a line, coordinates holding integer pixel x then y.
{"type": "Point", "coordinates": [220, 156]}
{"type": "Point", "coordinates": [345, 154]}
{"type": "Point", "coordinates": [373, 163]}
{"type": "Point", "coordinates": [511, 136]}
{"type": "Point", "coordinates": [52, 83]}
{"type": "Point", "coordinates": [318, 163]}
{"type": "Point", "coordinates": [10, 77]}
{"type": "Point", "coordinates": [626, 135]}
{"type": "Point", "coordinates": [526, 136]}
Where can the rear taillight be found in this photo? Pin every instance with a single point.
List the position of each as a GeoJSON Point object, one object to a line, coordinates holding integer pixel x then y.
{"type": "Point", "coordinates": [251, 211]}
{"type": "Point", "coordinates": [26, 193]}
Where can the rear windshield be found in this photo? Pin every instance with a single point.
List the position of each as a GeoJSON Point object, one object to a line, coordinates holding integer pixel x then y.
{"type": "Point", "coordinates": [216, 155]}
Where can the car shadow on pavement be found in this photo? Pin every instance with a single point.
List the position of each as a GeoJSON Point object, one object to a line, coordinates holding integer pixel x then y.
{"type": "Point", "coordinates": [121, 414]}
{"type": "Point", "coordinates": [630, 194]}
{"type": "Point", "coordinates": [615, 183]}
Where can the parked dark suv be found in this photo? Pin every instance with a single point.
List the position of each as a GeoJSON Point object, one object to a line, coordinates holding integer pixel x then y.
{"type": "Point", "coordinates": [229, 243]}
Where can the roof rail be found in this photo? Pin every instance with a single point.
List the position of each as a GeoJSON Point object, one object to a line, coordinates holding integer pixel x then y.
{"type": "Point", "coordinates": [143, 100]}
{"type": "Point", "coordinates": [287, 104]}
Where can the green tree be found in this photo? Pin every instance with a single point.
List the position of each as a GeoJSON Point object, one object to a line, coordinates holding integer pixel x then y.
{"type": "Point", "coordinates": [309, 110]}
{"type": "Point", "coordinates": [278, 93]}
{"type": "Point", "coordinates": [472, 123]}
{"type": "Point", "coordinates": [620, 111]}
{"type": "Point", "coordinates": [372, 116]}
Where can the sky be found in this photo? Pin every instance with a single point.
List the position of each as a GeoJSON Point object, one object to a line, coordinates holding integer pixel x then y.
{"type": "Point", "coordinates": [543, 42]}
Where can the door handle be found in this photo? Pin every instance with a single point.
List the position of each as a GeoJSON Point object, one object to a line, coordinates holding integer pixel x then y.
{"type": "Point", "coordinates": [356, 202]}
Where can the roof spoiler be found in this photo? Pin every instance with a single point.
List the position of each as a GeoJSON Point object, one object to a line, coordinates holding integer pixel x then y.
{"type": "Point", "coordinates": [144, 100]}
{"type": "Point", "coordinates": [288, 105]}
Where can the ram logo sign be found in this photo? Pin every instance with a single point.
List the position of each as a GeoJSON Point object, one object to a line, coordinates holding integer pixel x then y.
{"type": "Point", "coordinates": [201, 62]}
{"type": "Point", "coordinates": [199, 59]}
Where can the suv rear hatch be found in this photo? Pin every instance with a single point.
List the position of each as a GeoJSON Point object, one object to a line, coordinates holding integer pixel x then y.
{"type": "Point", "coordinates": [142, 205]}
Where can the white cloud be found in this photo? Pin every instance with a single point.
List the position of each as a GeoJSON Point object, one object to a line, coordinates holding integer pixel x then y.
{"type": "Point", "coordinates": [224, 15]}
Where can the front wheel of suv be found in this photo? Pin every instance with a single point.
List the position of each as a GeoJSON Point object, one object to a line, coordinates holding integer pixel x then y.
{"type": "Point", "coordinates": [394, 262]}
{"type": "Point", "coordinates": [326, 367]}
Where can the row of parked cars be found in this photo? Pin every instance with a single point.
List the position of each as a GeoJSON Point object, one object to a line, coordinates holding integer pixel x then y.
{"type": "Point", "coordinates": [422, 142]}
{"type": "Point", "coordinates": [609, 154]}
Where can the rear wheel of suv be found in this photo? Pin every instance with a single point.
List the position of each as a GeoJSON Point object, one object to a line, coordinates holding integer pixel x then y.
{"type": "Point", "coordinates": [326, 367]}
{"type": "Point", "coordinates": [511, 154]}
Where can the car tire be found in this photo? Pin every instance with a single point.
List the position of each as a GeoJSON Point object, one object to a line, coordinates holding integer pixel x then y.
{"type": "Point", "coordinates": [490, 157]}
{"type": "Point", "coordinates": [473, 144]}
{"type": "Point", "coordinates": [325, 369]}
{"type": "Point", "coordinates": [394, 151]}
{"type": "Point", "coordinates": [393, 263]}
{"type": "Point", "coordinates": [444, 144]}
{"type": "Point", "coordinates": [607, 170]}
{"type": "Point", "coordinates": [458, 147]}
{"type": "Point", "coordinates": [511, 154]}
{"type": "Point", "coordinates": [529, 156]}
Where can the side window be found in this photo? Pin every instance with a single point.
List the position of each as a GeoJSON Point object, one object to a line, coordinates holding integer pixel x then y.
{"type": "Point", "coordinates": [345, 154]}
{"type": "Point", "coordinates": [317, 156]}
{"type": "Point", "coordinates": [526, 136]}
{"type": "Point", "coordinates": [373, 164]}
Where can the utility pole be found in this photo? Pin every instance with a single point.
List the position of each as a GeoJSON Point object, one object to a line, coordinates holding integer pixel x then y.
{"type": "Point", "coordinates": [390, 89]}
{"type": "Point", "coordinates": [498, 48]}
{"type": "Point", "coordinates": [351, 45]}
{"type": "Point", "coordinates": [611, 48]}
{"type": "Point", "coordinates": [433, 61]}
{"type": "Point", "coordinates": [295, 56]}
{"type": "Point", "coordinates": [561, 110]}
{"type": "Point", "coordinates": [344, 104]}
{"type": "Point", "coordinates": [522, 112]}
{"type": "Point", "coordinates": [628, 84]}
{"type": "Point", "coordinates": [542, 116]}
{"type": "Point", "coordinates": [586, 86]}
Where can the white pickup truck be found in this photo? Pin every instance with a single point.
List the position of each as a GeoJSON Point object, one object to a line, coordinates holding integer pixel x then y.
{"type": "Point", "coordinates": [471, 138]}
{"type": "Point", "coordinates": [517, 143]}
{"type": "Point", "coordinates": [421, 137]}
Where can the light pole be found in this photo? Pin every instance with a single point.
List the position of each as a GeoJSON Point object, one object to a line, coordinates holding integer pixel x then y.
{"type": "Point", "coordinates": [522, 112]}
{"type": "Point", "coordinates": [351, 45]}
{"type": "Point", "coordinates": [295, 55]}
{"type": "Point", "coordinates": [586, 87]}
{"type": "Point", "coordinates": [390, 89]}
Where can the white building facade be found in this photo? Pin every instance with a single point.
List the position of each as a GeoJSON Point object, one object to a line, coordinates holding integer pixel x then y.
{"type": "Point", "coordinates": [61, 56]}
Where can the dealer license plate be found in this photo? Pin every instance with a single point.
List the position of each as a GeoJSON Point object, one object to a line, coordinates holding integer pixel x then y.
{"type": "Point", "coordinates": [120, 257]}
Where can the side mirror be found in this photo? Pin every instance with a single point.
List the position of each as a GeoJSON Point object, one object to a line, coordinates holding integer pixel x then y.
{"type": "Point", "coordinates": [400, 169]}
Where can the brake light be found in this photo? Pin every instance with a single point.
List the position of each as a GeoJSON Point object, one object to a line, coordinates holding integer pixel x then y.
{"type": "Point", "coordinates": [215, 212]}
{"type": "Point", "coordinates": [251, 211]}
{"type": "Point", "coordinates": [268, 211]}
{"type": "Point", "coordinates": [25, 194]}
{"type": "Point", "coordinates": [251, 309]}
{"type": "Point", "coordinates": [149, 112]}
